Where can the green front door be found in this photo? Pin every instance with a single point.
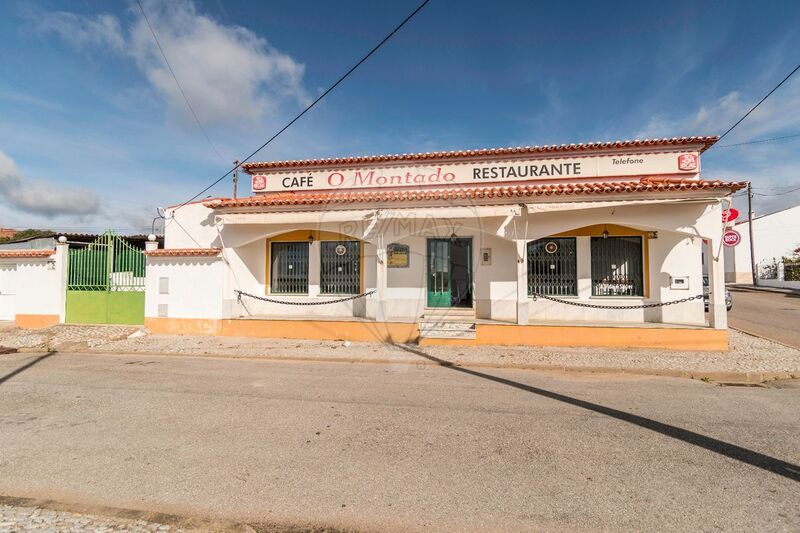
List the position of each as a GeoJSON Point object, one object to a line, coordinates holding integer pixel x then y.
{"type": "Point", "coordinates": [439, 273]}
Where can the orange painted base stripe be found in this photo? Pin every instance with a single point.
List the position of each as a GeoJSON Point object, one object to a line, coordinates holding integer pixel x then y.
{"type": "Point", "coordinates": [36, 321]}
{"type": "Point", "coordinates": [604, 337]}
{"type": "Point", "coordinates": [492, 334]}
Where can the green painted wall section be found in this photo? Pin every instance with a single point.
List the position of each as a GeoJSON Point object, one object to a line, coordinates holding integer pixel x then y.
{"type": "Point", "coordinates": [101, 307]}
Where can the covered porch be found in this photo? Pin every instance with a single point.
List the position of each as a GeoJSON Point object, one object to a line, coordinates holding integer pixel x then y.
{"type": "Point", "coordinates": [507, 277]}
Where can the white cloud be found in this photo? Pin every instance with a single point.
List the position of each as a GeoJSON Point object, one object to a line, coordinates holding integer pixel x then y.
{"type": "Point", "coordinates": [228, 73]}
{"type": "Point", "coordinates": [771, 167]}
{"type": "Point", "coordinates": [41, 197]}
{"type": "Point", "coordinates": [100, 31]}
{"type": "Point", "coordinates": [779, 113]}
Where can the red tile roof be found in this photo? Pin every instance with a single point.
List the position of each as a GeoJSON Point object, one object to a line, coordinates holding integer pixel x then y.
{"type": "Point", "coordinates": [654, 185]}
{"type": "Point", "coordinates": [13, 254]}
{"type": "Point", "coordinates": [705, 141]}
{"type": "Point", "coordinates": [183, 252]}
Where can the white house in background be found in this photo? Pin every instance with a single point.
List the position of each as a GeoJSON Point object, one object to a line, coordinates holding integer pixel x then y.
{"type": "Point", "coordinates": [570, 245]}
{"type": "Point", "coordinates": [776, 235]}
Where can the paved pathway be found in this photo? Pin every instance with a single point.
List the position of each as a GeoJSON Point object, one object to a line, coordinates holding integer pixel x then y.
{"type": "Point", "coordinates": [769, 314]}
{"type": "Point", "coordinates": [398, 447]}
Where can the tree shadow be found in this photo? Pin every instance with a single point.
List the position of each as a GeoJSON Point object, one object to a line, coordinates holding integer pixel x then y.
{"type": "Point", "coordinates": [25, 367]}
{"type": "Point", "coordinates": [753, 458]}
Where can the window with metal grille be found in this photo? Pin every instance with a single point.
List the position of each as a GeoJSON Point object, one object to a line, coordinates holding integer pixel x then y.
{"type": "Point", "coordinates": [552, 267]}
{"type": "Point", "coordinates": [617, 266]}
{"type": "Point", "coordinates": [340, 267]}
{"type": "Point", "coordinates": [289, 267]}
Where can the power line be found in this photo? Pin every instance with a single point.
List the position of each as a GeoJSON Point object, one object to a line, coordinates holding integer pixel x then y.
{"type": "Point", "coordinates": [185, 98]}
{"type": "Point", "coordinates": [778, 193]}
{"type": "Point", "coordinates": [311, 105]}
{"type": "Point", "coordinates": [776, 188]}
{"type": "Point", "coordinates": [759, 103]}
{"type": "Point", "coordinates": [759, 141]}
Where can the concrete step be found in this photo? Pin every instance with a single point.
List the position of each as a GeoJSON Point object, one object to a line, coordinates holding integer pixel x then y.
{"type": "Point", "coordinates": [447, 329]}
{"type": "Point", "coordinates": [447, 334]}
{"type": "Point", "coordinates": [450, 311]}
{"type": "Point", "coordinates": [449, 326]}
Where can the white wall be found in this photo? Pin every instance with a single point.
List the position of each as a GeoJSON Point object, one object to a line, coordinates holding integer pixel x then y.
{"type": "Point", "coordinates": [39, 285]}
{"type": "Point", "coordinates": [194, 287]}
{"type": "Point", "coordinates": [191, 226]}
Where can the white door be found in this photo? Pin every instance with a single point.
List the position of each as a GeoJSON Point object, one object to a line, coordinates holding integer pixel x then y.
{"type": "Point", "coordinates": [8, 292]}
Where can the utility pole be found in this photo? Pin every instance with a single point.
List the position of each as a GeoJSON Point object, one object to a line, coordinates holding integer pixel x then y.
{"type": "Point", "coordinates": [235, 178]}
{"type": "Point", "coordinates": [750, 231]}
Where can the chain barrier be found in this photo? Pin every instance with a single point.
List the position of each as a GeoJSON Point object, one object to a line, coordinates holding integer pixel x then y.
{"type": "Point", "coordinates": [599, 306]}
{"type": "Point", "coordinates": [239, 295]}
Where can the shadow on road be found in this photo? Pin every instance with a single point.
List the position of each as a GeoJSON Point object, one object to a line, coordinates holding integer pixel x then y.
{"type": "Point", "coordinates": [727, 449]}
{"type": "Point", "coordinates": [25, 367]}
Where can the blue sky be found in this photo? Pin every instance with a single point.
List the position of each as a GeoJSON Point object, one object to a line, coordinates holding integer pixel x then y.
{"type": "Point", "coordinates": [94, 133]}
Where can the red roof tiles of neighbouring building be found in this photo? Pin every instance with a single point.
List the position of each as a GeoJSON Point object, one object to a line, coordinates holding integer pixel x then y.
{"type": "Point", "coordinates": [183, 252]}
{"type": "Point", "coordinates": [705, 142]}
{"type": "Point", "coordinates": [14, 254]}
{"type": "Point", "coordinates": [648, 185]}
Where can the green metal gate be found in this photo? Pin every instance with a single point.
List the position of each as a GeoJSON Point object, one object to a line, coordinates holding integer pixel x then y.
{"type": "Point", "coordinates": [105, 282]}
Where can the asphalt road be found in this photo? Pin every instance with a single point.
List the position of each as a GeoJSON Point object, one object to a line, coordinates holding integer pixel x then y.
{"type": "Point", "coordinates": [772, 315]}
{"type": "Point", "coordinates": [402, 447]}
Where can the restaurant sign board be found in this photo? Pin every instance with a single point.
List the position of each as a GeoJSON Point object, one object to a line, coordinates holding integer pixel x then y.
{"type": "Point", "coordinates": [476, 173]}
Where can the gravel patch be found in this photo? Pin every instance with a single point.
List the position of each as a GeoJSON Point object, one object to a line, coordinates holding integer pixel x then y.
{"type": "Point", "coordinates": [64, 337]}
{"type": "Point", "coordinates": [747, 354]}
{"type": "Point", "coordinates": [13, 519]}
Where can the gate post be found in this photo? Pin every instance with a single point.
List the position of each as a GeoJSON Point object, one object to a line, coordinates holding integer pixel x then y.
{"type": "Point", "coordinates": [61, 266]}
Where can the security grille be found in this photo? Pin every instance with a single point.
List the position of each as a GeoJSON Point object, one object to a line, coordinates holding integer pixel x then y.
{"type": "Point", "coordinates": [617, 266]}
{"type": "Point", "coordinates": [340, 268]}
{"type": "Point", "coordinates": [289, 267]}
{"type": "Point", "coordinates": [552, 267]}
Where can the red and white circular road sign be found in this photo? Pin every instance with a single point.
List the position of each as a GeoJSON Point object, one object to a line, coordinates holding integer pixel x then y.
{"type": "Point", "coordinates": [731, 238]}
{"type": "Point", "coordinates": [729, 215]}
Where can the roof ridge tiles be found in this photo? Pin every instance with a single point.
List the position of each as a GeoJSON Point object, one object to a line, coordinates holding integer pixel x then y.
{"type": "Point", "coordinates": [706, 141]}
{"type": "Point", "coordinates": [494, 191]}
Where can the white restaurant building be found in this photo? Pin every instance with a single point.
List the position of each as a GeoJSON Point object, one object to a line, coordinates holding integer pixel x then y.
{"type": "Point", "coordinates": [550, 245]}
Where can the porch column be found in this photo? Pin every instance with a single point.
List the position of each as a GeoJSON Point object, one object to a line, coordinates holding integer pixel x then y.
{"type": "Point", "coordinates": [380, 282]}
{"type": "Point", "coordinates": [314, 265]}
{"type": "Point", "coordinates": [522, 282]}
{"type": "Point", "coordinates": [718, 315]}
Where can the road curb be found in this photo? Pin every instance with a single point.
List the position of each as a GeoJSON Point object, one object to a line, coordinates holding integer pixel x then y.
{"type": "Point", "coordinates": [178, 521]}
{"type": "Point", "coordinates": [712, 376]}
{"type": "Point", "coordinates": [761, 288]}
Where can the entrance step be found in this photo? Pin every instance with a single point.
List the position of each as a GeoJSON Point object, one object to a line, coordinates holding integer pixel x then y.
{"type": "Point", "coordinates": [450, 311]}
{"type": "Point", "coordinates": [445, 326]}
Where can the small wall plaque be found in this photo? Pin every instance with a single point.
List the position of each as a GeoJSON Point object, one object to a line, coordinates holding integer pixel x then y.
{"type": "Point", "coordinates": [486, 256]}
{"type": "Point", "coordinates": [398, 255]}
{"type": "Point", "coordinates": [679, 283]}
